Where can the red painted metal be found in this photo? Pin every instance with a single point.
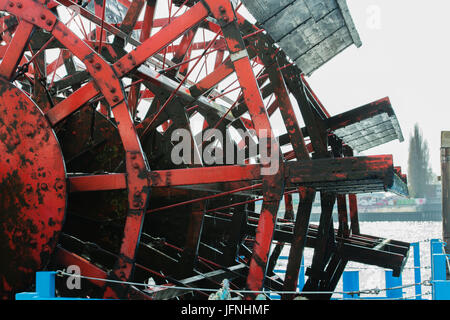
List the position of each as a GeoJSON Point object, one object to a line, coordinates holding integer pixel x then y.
{"type": "Point", "coordinates": [354, 221]}
{"type": "Point", "coordinates": [112, 181]}
{"type": "Point", "coordinates": [15, 49]}
{"type": "Point", "coordinates": [33, 189]}
{"type": "Point", "coordinates": [122, 195]}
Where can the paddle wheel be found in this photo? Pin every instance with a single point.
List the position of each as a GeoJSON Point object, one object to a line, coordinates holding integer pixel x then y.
{"type": "Point", "coordinates": [156, 139]}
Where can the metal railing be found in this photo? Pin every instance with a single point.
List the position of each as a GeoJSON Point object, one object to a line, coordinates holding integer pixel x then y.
{"type": "Point", "coordinates": [45, 281]}
{"type": "Point", "coordinates": [394, 286]}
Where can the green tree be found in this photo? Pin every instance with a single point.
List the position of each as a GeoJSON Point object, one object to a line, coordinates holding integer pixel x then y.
{"type": "Point", "coordinates": [419, 170]}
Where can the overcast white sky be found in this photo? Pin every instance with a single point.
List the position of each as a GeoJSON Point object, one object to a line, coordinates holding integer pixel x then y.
{"type": "Point", "coordinates": [405, 55]}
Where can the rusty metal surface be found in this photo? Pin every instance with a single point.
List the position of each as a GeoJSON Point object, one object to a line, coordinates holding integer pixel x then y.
{"type": "Point", "coordinates": [368, 126]}
{"type": "Point", "coordinates": [32, 187]}
{"type": "Point", "coordinates": [311, 32]}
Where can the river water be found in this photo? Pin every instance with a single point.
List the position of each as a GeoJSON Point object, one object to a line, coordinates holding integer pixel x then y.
{"type": "Point", "coordinates": [372, 277]}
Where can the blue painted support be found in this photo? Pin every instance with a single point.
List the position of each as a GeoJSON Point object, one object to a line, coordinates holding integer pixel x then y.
{"type": "Point", "coordinates": [417, 275]}
{"type": "Point", "coordinates": [436, 246]}
{"type": "Point", "coordinates": [350, 283]}
{"type": "Point", "coordinates": [440, 286]}
{"type": "Point", "coordinates": [393, 282]}
{"type": "Point", "coordinates": [301, 276]}
{"type": "Point", "coordinates": [45, 288]}
{"type": "Point", "coordinates": [438, 262]}
{"type": "Point", "coordinates": [441, 290]}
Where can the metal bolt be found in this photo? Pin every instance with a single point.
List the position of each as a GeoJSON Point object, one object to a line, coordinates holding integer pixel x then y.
{"type": "Point", "coordinates": [136, 165]}
{"type": "Point", "coordinates": [133, 156]}
{"type": "Point", "coordinates": [97, 66]}
{"type": "Point", "coordinates": [115, 99]}
{"type": "Point", "coordinates": [19, 5]}
{"type": "Point", "coordinates": [11, 4]}
{"type": "Point", "coordinates": [44, 186]}
{"type": "Point", "coordinates": [43, 16]}
{"type": "Point", "coordinates": [112, 90]}
{"type": "Point", "coordinates": [49, 22]}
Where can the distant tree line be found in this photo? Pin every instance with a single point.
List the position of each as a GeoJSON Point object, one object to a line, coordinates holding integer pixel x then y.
{"type": "Point", "coordinates": [420, 174]}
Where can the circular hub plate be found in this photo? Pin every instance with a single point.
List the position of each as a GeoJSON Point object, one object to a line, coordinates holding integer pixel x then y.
{"type": "Point", "coordinates": [32, 190]}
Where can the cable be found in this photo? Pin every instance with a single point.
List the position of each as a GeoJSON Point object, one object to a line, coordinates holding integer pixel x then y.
{"type": "Point", "coordinates": [352, 293]}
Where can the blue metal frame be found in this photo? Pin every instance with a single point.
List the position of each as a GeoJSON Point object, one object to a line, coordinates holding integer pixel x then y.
{"type": "Point", "coordinates": [45, 288]}
{"type": "Point", "coordinates": [439, 282]}
{"type": "Point", "coordinates": [350, 279]}
{"type": "Point", "coordinates": [393, 282]}
{"type": "Point", "coordinates": [350, 283]}
{"type": "Point", "coordinates": [45, 280]}
{"type": "Point", "coordinates": [417, 273]}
